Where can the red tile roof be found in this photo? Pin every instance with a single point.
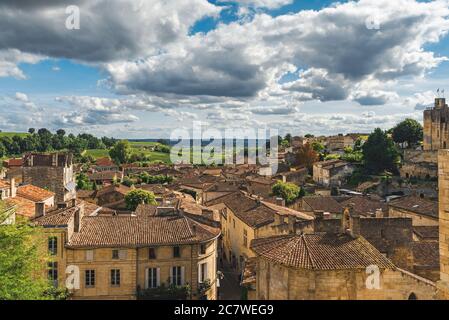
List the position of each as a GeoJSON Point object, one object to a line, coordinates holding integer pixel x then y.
{"type": "Point", "coordinates": [104, 162]}
{"type": "Point", "coordinates": [320, 251]}
{"type": "Point", "coordinates": [34, 193]}
{"type": "Point", "coordinates": [126, 231]}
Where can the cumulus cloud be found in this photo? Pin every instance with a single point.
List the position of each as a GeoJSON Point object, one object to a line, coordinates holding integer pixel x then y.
{"type": "Point", "coordinates": [340, 53]}
{"type": "Point", "coordinates": [270, 4]}
{"type": "Point", "coordinates": [109, 30]}
{"type": "Point", "coordinates": [93, 111]}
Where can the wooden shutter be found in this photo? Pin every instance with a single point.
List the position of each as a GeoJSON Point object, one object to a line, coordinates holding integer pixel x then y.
{"type": "Point", "coordinates": [147, 277]}
{"type": "Point", "coordinates": [171, 275]}
{"type": "Point", "coordinates": [122, 254]}
{"type": "Point", "coordinates": [158, 277]}
{"type": "Point", "coordinates": [182, 275]}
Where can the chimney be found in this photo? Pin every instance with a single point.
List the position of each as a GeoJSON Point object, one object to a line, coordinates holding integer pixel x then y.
{"type": "Point", "coordinates": [280, 202]}
{"type": "Point", "coordinates": [13, 191]}
{"type": "Point", "coordinates": [79, 213]}
{"type": "Point", "coordinates": [291, 224]}
{"type": "Point", "coordinates": [39, 209]}
{"type": "Point", "coordinates": [354, 222]}
{"type": "Point", "coordinates": [318, 221]}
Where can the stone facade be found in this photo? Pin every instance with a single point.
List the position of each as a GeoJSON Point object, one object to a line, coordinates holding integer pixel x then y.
{"type": "Point", "coordinates": [278, 282]}
{"type": "Point", "coordinates": [436, 132]}
{"type": "Point", "coordinates": [53, 172]}
{"type": "Point", "coordinates": [419, 164]}
{"type": "Point", "coordinates": [443, 183]}
{"type": "Point", "coordinates": [331, 172]}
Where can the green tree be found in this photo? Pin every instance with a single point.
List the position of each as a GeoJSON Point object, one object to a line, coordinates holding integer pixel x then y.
{"type": "Point", "coordinates": [379, 152]}
{"type": "Point", "coordinates": [83, 183]}
{"type": "Point", "coordinates": [139, 196]}
{"type": "Point", "coordinates": [120, 152]}
{"type": "Point", "coordinates": [286, 190]}
{"type": "Point", "coordinates": [21, 262]}
{"type": "Point", "coordinates": [409, 131]}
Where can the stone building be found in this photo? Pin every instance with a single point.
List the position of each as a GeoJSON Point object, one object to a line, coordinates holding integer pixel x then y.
{"type": "Point", "coordinates": [419, 164]}
{"type": "Point", "coordinates": [244, 218]}
{"type": "Point", "coordinates": [436, 131]}
{"type": "Point", "coordinates": [133, 256]}
{"type": "Point", "coordinates": [333, 265]}
{"type": "Point", "coordinates": [339, 142]}
{"type": "Point", "coordinates": [332, 172]}
{"type": "Point", "coordinates": [443, 185]}
{"type": "Point", "coordinates": [53, 172]}
{"type": "Point", "coordinates": [423, 212]}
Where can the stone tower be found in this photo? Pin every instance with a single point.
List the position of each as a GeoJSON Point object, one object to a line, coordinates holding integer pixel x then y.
{"type": "Point", "coordinates": [436, 131]}
{"type": "Point", "coordinates": [53, 172]}
{"type": "Point", "coordinates": [443, 185]}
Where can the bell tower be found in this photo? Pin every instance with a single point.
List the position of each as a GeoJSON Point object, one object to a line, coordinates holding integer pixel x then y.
{"type": "Point", "coordinates": [443, 186]}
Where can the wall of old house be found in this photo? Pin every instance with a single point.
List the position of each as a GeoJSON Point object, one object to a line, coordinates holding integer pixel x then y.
{"type": "Point", "coordinates": [443, 184]}
{"type": "Point", "coordinates": [417, 219]}
{"type": "Point", "coordinates": [278, 282]}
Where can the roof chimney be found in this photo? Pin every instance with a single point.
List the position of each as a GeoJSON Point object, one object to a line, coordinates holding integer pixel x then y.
{"type": "Point", "coordinates": [280, 202]}
{"type": "Point", "coordinates": [13, 187]}
{"type": "Point", "coordinates": [39, 209]}
{"type": "Point", "coordinates": [354, 222]}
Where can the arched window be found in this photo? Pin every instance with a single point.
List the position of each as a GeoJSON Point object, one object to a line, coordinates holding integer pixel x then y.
{"type": "Point", "coordinates": [412, 296]}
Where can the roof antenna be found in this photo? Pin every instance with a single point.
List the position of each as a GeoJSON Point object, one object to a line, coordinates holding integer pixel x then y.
{"type": "Point", "coordinates": [438, 92]}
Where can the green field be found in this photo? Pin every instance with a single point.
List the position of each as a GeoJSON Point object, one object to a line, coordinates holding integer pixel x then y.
{"type": "Point", "coordinates": [12, 134]}
{"type": "Point", "coordinates": [137, 147]}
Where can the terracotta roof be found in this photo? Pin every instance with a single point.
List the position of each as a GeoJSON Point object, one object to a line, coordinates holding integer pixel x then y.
{"type": "Point", "coordinates": [126, 231]}
{"type": "Point", "coordinates": [25, 207]}
{"type": "Point", "coordinates": [323, 203]}
{"type": "Point", "coordinates": [34, 193]}
{"type": "Point", "coordinates": [14, 162]}
{"type": "Point", "coordinates": [417, 205]}
{"type": "Point", "coordinates": [320, 251]}
{"type": "Point", "coordinates": [104, 162]}
{"type": "Point", "coordinates": [4, 184]}
{"type": "Point", "coordinates": [113, 188]}
{"type": "Point", "coordinates": [427, 232]}
{"type": "Point", "coordinates": [57, 218]}
{"type": "Point", "coordinates": [365, 206]}
{"type": "Point", "coordinates": [287, 211]}
{"type": "Point", "coordinates": [426, 254]}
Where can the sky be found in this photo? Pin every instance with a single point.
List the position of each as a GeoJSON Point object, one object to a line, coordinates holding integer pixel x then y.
{"type": "Point", "coordinates": [143, 68]}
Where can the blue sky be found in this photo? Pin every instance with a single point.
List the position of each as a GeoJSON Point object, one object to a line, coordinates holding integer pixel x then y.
{"type": "Point", "coordinates": [296, 66]}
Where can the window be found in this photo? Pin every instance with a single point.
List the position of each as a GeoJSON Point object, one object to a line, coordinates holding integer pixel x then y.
{"type": "Point", "coordinates": [89, 255]}
{"type": "Point", "coordinates": [245, 238]}
{"type": "Point", "coordinates": [203, 249]}
{"type": "Point", "coordinates": [151, 253]}
{"type": "Point", "coordinates": [53, 245]}
{"type": "Point", "coordinates": [153, 277]}
{"type": "Point", "coordinates": [203, 272]}
{"type": "Point", "coordinates": [53, 273]}
{"type": "Point", "coordinates": [90, 278]}
{"type": "Point", "coordinates": [177, 276]}
{"type": "Point", "coordinates": [234, 222]}
{"type": "Point", "coordinates": [176, 252]}
{"type": "Point", "coordinates": [115, 277]}
{"type": "Point", "coordinates": [115, 254]}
